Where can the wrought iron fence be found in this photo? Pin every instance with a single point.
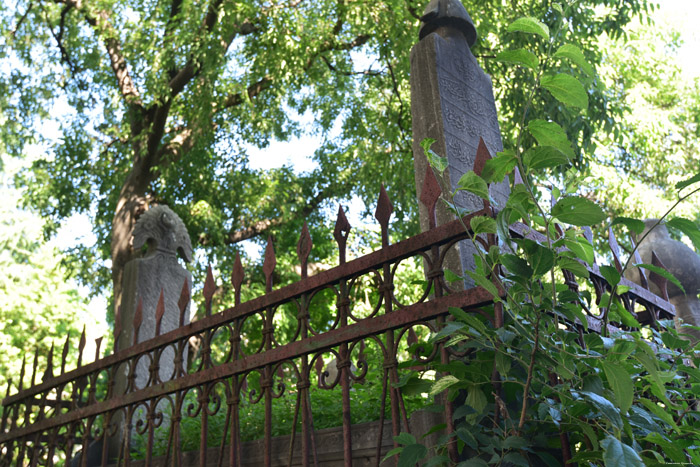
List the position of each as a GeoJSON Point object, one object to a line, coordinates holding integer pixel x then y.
{"type": "Point", "coordinates": [370, 332]}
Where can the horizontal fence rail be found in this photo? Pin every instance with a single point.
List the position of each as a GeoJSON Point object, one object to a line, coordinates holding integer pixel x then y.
{"type": "Point", "coordinates": [270, 349]}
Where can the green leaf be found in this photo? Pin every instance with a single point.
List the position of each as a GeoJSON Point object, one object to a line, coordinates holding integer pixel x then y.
{"type": "Point", "coordinates": [472, 183]}
{"type": "Point", "coordinates": [621, 382]}
{"type": "Point", "coordinates": [464, 434]}
{"type": "Point", "coordinates": [660, 412]}
{"type": "Point", "coordinates": [442, 384]}
{"type": "Point", "coordinates": [515, 458]}
{"type": "Point", "coordinates": [392, 453]}
{"type": "Point", "coordinates": [544, 157]}
{"type": "Point", "coordinates": [452, 277]}
{"type": "Point", "coordinates": [663, 273]}
{"type": "Point", "coordinates": [578, 211]}
{"type": "Point", "coordinates": [558, 7]}
{"type": "Point", "coordinates": [482, 224]}
{"type": "Point", "coordinates": [516, 265]}
{"type": "Point", "coordinates": [566, 89]}
{"type": "Point", "coordinates": [635, 225]}
{"type": "Point", "coordinates": [435, 161]}
{"type": "Point", "coordinates": [540, 257]}
{"type": "Point", "coordinates": [519, 56]}
{"type": "Point", "coordinates": [617, 454]}
{"type": "Point", "coordinates": [495, 169]}
{"type": "Point", "coordinates": [688, 227]}
{"type": "Point", "coordinates": [550, 134]}
{"type": "Point", "coordinates": [411, 454]}
{"type": "Point", "coordinates": [477, 400]}
{"type": "Point", "coordinates": [503, 363]}
{"type": "Point", "coordinates": [484, 282]}
{"type": "Point", "coordinates": [515, 442]}
{"type": "Point", "coordinates": [694, 179]}
{"type": "Point", "coordinates": [405, 439]}
{"type": "Point", "coordinates": [531, 26]}
{"type": "Point", "coordinates": [611, 275]}
{"type": "Point", "coordinates": [574, 266]}
{"type": "Point", "coordinates": [574, 54]}
{"type": "Point", "coordinates": [605, 407]}
{"type": "Point", "coordinates": [582, 249]}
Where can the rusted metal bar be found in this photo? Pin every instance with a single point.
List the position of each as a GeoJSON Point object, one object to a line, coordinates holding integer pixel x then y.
{"type": "Point", "coordinates": [441, 235]}
{"type": "Point", "coordinates": [468, 299]}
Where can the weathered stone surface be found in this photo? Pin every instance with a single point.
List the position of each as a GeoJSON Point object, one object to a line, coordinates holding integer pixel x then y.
{"type": "Point", "coordinates": [683, 263]}
{"type": "Point", "coordinates": [452, 102]}
{"type": "Point", "coordinates": [144, 280]}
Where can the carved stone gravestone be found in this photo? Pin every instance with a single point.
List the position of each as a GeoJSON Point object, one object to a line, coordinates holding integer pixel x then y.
{"type": "Point", "coordinates": [452, 102]}
{"type": "Point", "coordinates": [684, 264]}
{"type": "Point", "coordinates": [155, 301]}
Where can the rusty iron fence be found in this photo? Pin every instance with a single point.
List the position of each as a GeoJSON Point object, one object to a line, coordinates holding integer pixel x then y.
{"type": "Point", "coordinates": [81, 411]}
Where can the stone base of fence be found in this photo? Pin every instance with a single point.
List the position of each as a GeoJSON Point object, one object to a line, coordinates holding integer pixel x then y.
{"type": "Point", "coordinates": [329, 445]}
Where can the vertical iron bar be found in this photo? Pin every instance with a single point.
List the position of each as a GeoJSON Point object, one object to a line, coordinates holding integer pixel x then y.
{"type": "Point", "coordinates": [382, 409]}
{"type": "Point", "coordinates": [150, 421]}
{"type": "Point", "coordinates": [204, 428]}
{"type": "Point", "coordinates": [344, 364]}
{"type": "Point", "coordinates": [266, 386]}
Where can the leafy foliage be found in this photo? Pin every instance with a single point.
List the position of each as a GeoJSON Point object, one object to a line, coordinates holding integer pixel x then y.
{"type": "Point", "coordinates": [164, 102]}
{"type": "Point", "coordinates": [536, 390]}
{"type": "Point", "coordinates": [39, 307]}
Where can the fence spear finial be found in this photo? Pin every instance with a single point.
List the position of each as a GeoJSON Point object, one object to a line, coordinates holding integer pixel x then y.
{"type": "Point", "coordinates": [269, 263]}
{"type": "Point", "coordinates": [81, 347]}
{"type": "Point", "coordinates": [430, 194]}
{"type": "Point", "coordinates": [64, 354]}
{"type": "Point", "coordinates": [98, 344]}
{"type": "Point", "coordinates": [383, 214]}
{"type": "Point", "coordinates": [304, 249]}
{"type": "Point", "coordinates": [184, 301]}
{"type": "Point", "coordinates": [160, 311]}
{"type": "Point", "coordinates": [341, 232]}
{"type": "Point", "coordinates": [35, 365]}
{"type": "Point", "coordinates": [208, 290]}
{"type": "Point", "coordinates": [237, 278]}
{"type": "Point", "coordinates": [21, 373]}
{"type": "Point", "coordinates": [49, 365]}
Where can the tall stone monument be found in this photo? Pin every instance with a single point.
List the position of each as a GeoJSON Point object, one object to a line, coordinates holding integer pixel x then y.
{"type": "Point", "coordinates": [452, 102]}
{"type": "Point", "coordinates": [153, 303]}
{"type": "Point", "coordinates": [146, 279]}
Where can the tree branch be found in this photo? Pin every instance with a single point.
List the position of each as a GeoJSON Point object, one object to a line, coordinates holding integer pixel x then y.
{"type": "Point", "coordinates": [65, 57]}
{"type": "Point", "coordinates": [233, 100]}
{"type": "Point", "coordinates": [21, 19]}
{"type": "Point", "coordinates": [100, 21]}
{"type": "Point", "coordinates": [260, 227]}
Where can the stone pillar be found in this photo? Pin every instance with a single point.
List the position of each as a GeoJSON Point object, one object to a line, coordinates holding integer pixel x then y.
{"type": "Point", "coordinates": [684, 264]}
{"type": "Point", "coordinates": [452, 102]}
{"type": "Point", "coordinates": [145, 279]}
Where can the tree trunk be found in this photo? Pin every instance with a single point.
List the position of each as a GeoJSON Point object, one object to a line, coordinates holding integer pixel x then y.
{"type": "Point", "coordinates": [132, 202]}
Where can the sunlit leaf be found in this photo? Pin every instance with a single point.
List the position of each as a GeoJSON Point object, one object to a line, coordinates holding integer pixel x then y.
{"type": "Point", "coordinates": [566, 89]}
{"type": "Point", "coordinates": [519, 56]}
{"type": "Point", "coordinates": [530, 25]}
{"type": "Point", "coordinates": [578, 211]}
{"type": "Point", "coordinates": [694, 179]}
{"type": "Point", "coordinates": [544, 157]}
{"type": "Point", "coordinates": [472, 183]}
{"type": "Point", "coordinates": [574, 54]}
{"type": "Point", "coordinates": [550, 134]}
